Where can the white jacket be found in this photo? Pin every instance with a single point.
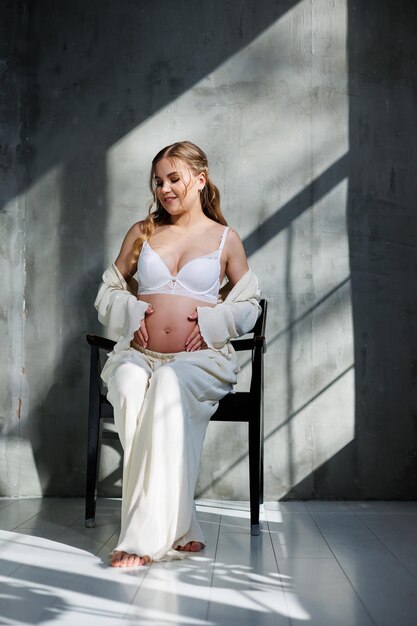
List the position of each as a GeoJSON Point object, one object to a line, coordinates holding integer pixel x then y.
{"type": "Point", "coordinates": [121, 312]}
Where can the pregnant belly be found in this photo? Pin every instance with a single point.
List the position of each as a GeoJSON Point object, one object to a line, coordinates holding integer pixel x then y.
{"type": "Point", "coordinates": [168, 326]}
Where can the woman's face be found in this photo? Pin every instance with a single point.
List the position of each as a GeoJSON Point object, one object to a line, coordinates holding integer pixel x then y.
{"type": "Point", "coordinates": [176, 186]}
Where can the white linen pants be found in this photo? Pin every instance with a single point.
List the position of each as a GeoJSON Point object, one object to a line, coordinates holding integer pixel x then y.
{"type": "Point", "coordinates": [162, 406]}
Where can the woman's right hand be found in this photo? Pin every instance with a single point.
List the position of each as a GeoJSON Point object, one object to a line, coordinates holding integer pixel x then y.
{"type": "Point", "coordinates": [141, 335]}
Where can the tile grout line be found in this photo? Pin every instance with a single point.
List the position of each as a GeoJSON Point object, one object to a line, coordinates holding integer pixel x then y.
{"type": "Point", "coordinates": [95, 554]}
{"type": "Point", "coordinates": [130, 608]}
{"type": "Point", "coordinates": [54, 539]}
{"type": "Point", "coordinates": [214, 566]}
{"type": "Point", "coordinates": [109, 539]}
{"type": "Point", "coordinates": [57, 599]}
{"type": "Point", "coordinates": [43, 585]}
{"type": "Point", "coordinates": [345, 573]}
{"type": "Point", "coordinates": [4, 506]}
{"type": "Point", "coordinates": [111, 535]}
{"type": "Point", "coordinates": [36, 514]}
{"type": "Point", "coordinates": [386, 547]}
{"type": "Point", "coordinates": [278, 570]}
{"type": "Point", "coordinates": [61, 534]}
{"type": "Point", "coordinates": [11, 574]}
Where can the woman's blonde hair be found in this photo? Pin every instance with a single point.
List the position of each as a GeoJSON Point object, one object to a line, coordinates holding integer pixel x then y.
{"type": "Point", "coordinates": [196, 160]}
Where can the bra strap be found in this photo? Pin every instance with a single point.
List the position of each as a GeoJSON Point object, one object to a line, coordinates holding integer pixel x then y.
{"type": "Point", "coordinates": [223, 239]}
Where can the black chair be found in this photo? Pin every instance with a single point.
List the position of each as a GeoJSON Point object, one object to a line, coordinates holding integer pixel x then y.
{"type": "Point", "coordinates": [239, 407]}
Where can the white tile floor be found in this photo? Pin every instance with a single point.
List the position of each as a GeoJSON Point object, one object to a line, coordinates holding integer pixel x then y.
{"type": "Point", "coordinates": [321, 563]}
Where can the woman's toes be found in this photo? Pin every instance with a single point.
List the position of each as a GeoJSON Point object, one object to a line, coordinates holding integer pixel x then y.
{"type": "Point", "coordinates": [145, 560]}
{"type": "Point", "coordinates": [131, 560]}
{"type": "Point", "coordinates": [191, 546]}
{"type": "Point", "coordinates": [116, 558]}
{"type": "Point", "coordinates": [124, 559]}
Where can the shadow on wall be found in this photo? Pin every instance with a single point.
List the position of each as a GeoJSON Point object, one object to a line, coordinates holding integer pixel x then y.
{"type": "Point", "coordinates": [95, 72]}
{"type": "Point", "coordinates": [381, 461]}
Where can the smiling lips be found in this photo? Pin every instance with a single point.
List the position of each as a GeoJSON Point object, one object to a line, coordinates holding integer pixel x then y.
{"type": "Point", "coordinates": [169, 198]}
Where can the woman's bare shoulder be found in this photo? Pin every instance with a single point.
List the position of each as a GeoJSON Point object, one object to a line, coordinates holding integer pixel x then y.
{"type": "Point", "coordinates": [135, 232]}
{"type": "Point", "coordinates": [137, 228]}
{"type": "Point", "coordinates": [236, 261]}
{"type": "Point", "coordinates": [123, 261]}
{"type": "Point", "coordinates": [233, 239]}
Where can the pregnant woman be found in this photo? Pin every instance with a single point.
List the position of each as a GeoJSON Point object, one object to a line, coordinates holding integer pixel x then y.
{"type": "Point", "coordinates": [173, 360]}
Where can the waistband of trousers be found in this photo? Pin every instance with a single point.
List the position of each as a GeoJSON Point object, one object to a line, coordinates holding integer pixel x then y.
{"type": "Point", "coordinates": [162, 356]}
{"type": "Point", "coordinates": [156, 355]}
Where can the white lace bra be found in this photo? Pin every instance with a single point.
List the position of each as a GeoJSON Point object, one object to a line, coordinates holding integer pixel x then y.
{"type": "Point", "coordinates": [198, 278]}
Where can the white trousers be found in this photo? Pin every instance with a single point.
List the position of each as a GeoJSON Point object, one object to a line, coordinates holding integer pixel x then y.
{"type": "Point", "coordinates": [162, 406]}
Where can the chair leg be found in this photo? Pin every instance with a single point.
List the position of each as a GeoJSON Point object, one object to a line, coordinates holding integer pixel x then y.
{"type": "Point", "coordinates": [254, 474]}
{"type": "Point", "coordinates": [261, 452]}
{"type": "Point", "coordinates": [93, 445]}
{"type": "Point", "coordinates": [93, 457]}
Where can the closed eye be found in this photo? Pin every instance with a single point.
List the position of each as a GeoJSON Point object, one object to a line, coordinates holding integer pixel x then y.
{"type": "Point", "coordinates": [159, 183]}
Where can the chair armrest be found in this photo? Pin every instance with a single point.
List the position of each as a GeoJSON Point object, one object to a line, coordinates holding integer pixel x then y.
{"type": "Point", "coordinates": [249, 344]}
{"type": "Point", "coordinates": [242, 344]}
{"type": "Point", "coordinates": [100, 342]}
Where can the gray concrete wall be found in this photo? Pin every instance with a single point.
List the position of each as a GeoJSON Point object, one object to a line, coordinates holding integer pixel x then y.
{"type": "Point", "coordinates": [306, 110]}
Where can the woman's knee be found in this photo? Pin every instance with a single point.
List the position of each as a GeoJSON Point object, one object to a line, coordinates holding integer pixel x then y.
{"type": "Point", "coordinates": [127, 381]}
{"type": "Point", "coordinates": [173, 376]}
{"type": "Point", "coordinates": [164, 376]}
{"type": "Point", "coordinates": [190, 379]}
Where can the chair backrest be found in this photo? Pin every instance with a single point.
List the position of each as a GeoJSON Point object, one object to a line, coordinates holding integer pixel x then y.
{"type": "Point", "coordinates": [257, 332]}
{"type": "Point", "coordinates": [247, 406]}
{"type": "Point", "coordinates": [259, 328]}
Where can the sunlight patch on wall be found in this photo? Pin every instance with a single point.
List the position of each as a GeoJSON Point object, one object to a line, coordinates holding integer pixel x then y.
{"type": "Point", "coordinates": [273, 120]}
{"type": "Point", "coordinates": [18, 470]}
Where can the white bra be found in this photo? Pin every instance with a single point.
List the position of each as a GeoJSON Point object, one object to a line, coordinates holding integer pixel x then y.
{"type": "Point", "coordinates": [198, 278]}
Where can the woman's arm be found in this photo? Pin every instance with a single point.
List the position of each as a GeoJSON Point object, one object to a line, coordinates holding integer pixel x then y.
{"type": "Point", "coordinates": [236, 261]}
{"type": "Point", "coordinates": [124, 260]}
{"type": "Point", "coordinates": [128, 269]}
{"type": "Point", "coordinates": [117, 304]}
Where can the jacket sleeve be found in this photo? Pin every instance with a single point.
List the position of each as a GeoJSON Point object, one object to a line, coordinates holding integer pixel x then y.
{"type": "Point", "coordinates": [234, 317]}
{"type": "Point", "coordinates": [118, 309]}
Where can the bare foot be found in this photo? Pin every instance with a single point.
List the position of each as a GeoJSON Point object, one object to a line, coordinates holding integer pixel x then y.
{"type": "Point", "coordinates": [124, 559]}
{"type": "Point", "coordinates": [191, 546]}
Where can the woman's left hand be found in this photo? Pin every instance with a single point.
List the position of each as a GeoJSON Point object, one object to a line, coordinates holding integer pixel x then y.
{"type": "Point", "coordinates": [194, 340]}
